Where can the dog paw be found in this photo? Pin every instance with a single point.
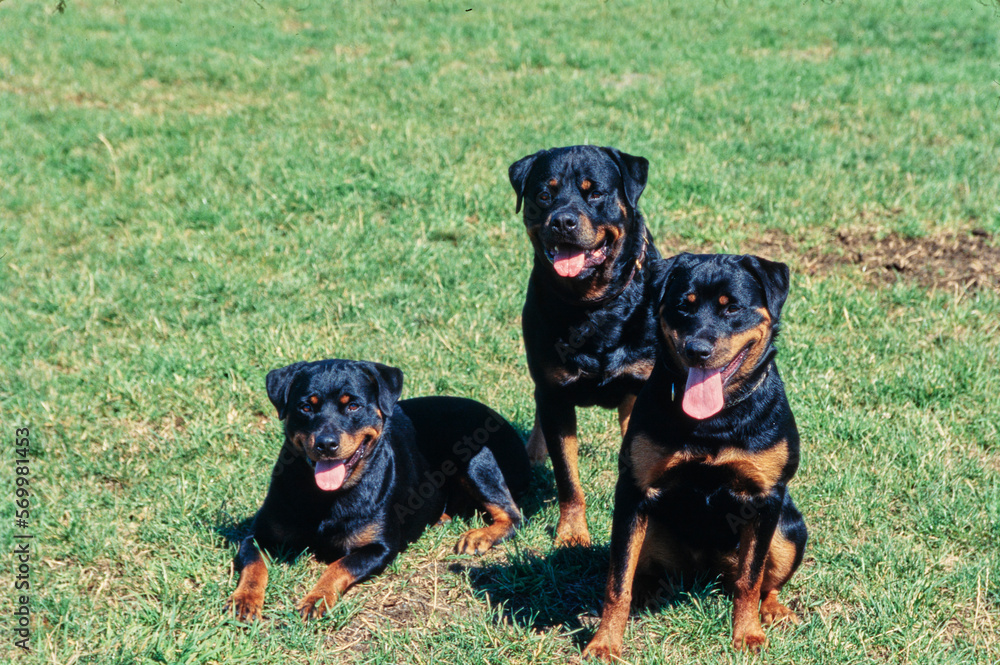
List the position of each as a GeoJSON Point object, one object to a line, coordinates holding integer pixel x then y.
{"type": "Point", "coordinates": [246, 606]}
{"type": "Point", "coordinates": [572, 533]}
{"type": "Point", "coordinates": [601, 650]}
{"type": "Point", "coordinates": [753, 642]}
{"type": "Point", "coordinates": [314, 605]}
{"type": "Point", "coordinates": [475, 541]}
{"type": "Point", "coordinates": [777, 613]}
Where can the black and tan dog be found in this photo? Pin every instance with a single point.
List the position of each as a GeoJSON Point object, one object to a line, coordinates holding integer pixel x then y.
{"type": "Point", "coordinates": [589, 318]}
{"type": "Point", "coordinates": [360, 476]}
{"type": "Point", "coordinates": [711, 446]}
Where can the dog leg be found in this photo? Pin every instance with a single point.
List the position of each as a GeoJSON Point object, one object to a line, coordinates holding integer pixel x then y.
{"type": "Point", "coordinates": [558, 422]}
{"type": "Point", "coordinates": [628, 532]}
{"type": "Point", "coordinates": [247, 601]}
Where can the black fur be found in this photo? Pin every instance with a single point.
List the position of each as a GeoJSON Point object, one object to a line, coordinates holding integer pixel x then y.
{"type": "Point", "coordinates": [704, 484]}
{"type": "Point", "coordinates": [429, 453]}
{"type": "Point", "coordinates": [590, 339]}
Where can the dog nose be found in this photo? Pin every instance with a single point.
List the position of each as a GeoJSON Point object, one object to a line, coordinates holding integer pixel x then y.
{"type": "Point", "coordinates": [565, 222]}
{"type": "Point", "coordinates": [327, 444]}
{"type": "Point", "coordinates": [698, 350]}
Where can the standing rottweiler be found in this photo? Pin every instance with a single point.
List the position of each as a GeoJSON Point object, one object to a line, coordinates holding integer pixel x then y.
{"type": "Point", "coordinates": [711, 446]}
{"type": "Point", "coordinates": [589, 318]}
{"type": "Point", "coordinates": [360, 476]}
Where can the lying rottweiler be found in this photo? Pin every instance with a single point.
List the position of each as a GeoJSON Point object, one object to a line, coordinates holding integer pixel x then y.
{"type": "Point", "coordinates": [711, 446]}
{"type": "Point", "coordinates": [589, 318]}
{"type": "Point", "coordinates": [360, 476]}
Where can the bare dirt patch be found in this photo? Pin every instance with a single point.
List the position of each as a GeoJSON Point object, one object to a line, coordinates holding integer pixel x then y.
{"type": "Point", "coordinates": [966, 261]}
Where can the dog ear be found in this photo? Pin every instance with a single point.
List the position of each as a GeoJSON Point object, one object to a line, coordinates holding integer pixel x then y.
{"type": "Point", "coordinates": [279, 382]}
{"type": "Point", "coordinates": [668, 269]}
{"type": "Point", "coordinates": [390, 386]}
{"type": "Point", "coordinates": [634, 172]}
{"type": "Point", "coordinates": [518, 174]}
{"type": "Point", "coordinates": [774, 277]}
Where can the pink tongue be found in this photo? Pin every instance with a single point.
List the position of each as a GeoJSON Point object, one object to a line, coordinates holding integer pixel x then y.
{"type": "Point", "coordinates": [703, 393]}
{"type": "Point", "coordinates": [569, 262]}
{"type": "Point", "coordinates": [330, 475]}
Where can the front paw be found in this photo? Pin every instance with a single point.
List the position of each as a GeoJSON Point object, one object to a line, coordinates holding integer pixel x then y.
{"type": "Point", "coordinates": [475, 541]}
{"type": "Point", "coordinates": [749, 641]}
{"type": "Point", "coordinates": [315, 604]}
{"type": "Point", "coordinates": [246, 605]}
{"type": "Point", "coordinates": [602, 650]}
{"type": "Point", "coordinates": [572, 532]}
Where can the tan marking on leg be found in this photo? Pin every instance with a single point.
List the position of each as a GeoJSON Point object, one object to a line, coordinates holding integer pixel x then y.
{"type": "Point", "coordinates": [607, 642]}
{"type": "Point", "coordinates": [572, 528]}
{"type": "Point", "coordinates": [625, 412]}
{"type": "Point", "coordinates": [334, 581]}
{"type": "Point", "coordinates": [363, 536]}
{"type": "Point", "coordinates": [248, 599]}
{"type": "Point", "coordinates": [777, 571]}
{"type": "Point", "coordinates": [482, 539]}
{"type": "Point", "coordinates": [747, 633]}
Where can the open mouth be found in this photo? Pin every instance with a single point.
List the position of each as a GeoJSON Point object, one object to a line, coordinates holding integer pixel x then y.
{"type": "Point", "coordinates": [571, 260]}
{"type": "Point", "coordinates": [332, 474]}
{"type": "Point", "coordinates": [703, 394]}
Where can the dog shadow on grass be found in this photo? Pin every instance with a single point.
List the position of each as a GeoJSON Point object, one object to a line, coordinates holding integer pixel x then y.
{"type": "Point", "coordinates": [565, 589]}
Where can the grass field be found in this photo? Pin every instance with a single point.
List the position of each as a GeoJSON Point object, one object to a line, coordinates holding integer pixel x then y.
{"type": "Point", "coordinates": [194, 193]}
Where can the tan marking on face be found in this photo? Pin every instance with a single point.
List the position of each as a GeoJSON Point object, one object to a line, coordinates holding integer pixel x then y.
{"type": "Point", "coordinates": [302, 441]}
{"type": "Point", "coordinates": [672, 338]}
{"type": "Point", "coordinates": [314, 400]}
{"type": "Point", "coordinates": [621, 206]}
{"type": "Point", "coordinates": [586, 185]}
{"type": "Point", "coordinates": [351, 441]}
{"type": "Point", "coordinates": [728, 349]}
{"type": "Point", "coordinates": [344, 399]}
{"type": "Point", "coordinates": [553, 182]}
{"type": "Point", "coordinates": [691, 297]}
{"type": "Point", "coordinates": [723, 300]}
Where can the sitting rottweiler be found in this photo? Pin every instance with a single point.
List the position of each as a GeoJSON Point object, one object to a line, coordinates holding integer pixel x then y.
{"type": "Point", "coordinates": [711, 446]}
{"type": "Point", "coordinates": [589, 317]}
{"type": "Point", "coordinates": [360, 476]}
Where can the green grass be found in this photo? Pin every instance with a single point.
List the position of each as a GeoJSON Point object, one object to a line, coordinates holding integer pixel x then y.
{"type": "Point", "coordinates": [194, 193]}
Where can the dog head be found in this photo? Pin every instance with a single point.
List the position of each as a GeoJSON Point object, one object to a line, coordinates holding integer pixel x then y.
{"type": "Point", "coordinates": [580, 205]}
{"type": "Point", "coordinates": [718, 319]}
{"type": "Point", "coordinates": [334, 413]}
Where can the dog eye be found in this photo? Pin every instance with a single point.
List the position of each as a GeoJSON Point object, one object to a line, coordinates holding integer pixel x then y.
{"type": "Point", "coordinates": [353, 406]}
{"type": "Point", "coordinates": [733, 309]}
{"type": "Point", "coordinates": [594, 195]}
{"type": "Point", "coordinates": [544, 197]}
{"type": "Point", "coordinates": [306, 408]}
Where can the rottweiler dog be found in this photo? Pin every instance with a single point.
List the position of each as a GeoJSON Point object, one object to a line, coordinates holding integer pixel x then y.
{"type": "Point", "coordinates": [710, 448]}
{"type": "Point", "coordinates": [361, 475]}
{"type": "Point", "coordinates": [589, 318]}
